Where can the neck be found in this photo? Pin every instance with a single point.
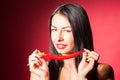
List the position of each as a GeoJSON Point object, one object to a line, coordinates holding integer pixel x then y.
{"type": "Point", "coordinates": [69, 63]}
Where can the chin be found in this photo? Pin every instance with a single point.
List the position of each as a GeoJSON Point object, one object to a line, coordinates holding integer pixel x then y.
{"type": "Point", "coordinates": [63, 52]}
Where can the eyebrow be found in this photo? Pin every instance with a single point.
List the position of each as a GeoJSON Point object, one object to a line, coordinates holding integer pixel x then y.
{"type": "Point", "coordinates": [62, 27]}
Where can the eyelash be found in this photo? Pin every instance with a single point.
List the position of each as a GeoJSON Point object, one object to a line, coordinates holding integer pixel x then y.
{"type": "Point", "coordinates": [53, 29]}
{"type": "Point", "coordinates": [63, 30]}
{"type": "Point", "coordinates": [67, 30]}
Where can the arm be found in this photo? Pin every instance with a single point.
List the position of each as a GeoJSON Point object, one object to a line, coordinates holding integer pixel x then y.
{"type": "Point", "coordinates": [105, 72]}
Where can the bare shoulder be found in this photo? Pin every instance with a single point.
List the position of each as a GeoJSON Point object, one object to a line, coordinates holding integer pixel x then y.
{"type": "Point", "coordinates": [105, 72]}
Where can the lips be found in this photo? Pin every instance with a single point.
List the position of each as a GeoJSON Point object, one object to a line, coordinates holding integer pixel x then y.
{"type": "Point", "coordinates": [61, 46]}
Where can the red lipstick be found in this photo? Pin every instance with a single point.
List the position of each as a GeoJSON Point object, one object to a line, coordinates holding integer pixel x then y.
{"type": "Point", "coordinates": [61, 46]}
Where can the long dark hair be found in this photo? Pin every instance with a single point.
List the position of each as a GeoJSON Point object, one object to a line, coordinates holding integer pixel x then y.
{"type": "Point", "coordinates": [82, 34]}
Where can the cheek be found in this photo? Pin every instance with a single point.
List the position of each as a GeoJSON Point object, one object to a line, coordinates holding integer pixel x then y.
{"type": "Point", "coordinates": [53, 38]}
{"type": "Point", "coordinates": [69, 40]}
{"type": "Point", "coordinates": [72, 43]}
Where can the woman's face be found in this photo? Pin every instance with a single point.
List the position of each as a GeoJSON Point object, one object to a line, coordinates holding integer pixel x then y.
{"type": "Point", "coordinates": [61, 34]}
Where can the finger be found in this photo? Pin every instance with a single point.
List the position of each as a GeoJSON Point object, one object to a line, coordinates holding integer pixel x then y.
{"type": "Point", "coordinates": [35, 53]}
{"type": "Point", "coordinates": [91, 63]}
{"type": "Point", "coordinates": [44, 63]}
{"type": "Point", "coordinates": [93, 55]}
{"type": "Point", "coordinates": [86, 50]}
{"type": "Point", "coordinates": [33, 66]}
{"type": "Point", "coordinates": [93, 52]}
{"type": "Point", "coordinates": [33, 58]}
{"type": "Point", "coordinates": [40, 69]}
{"type": "Point", "coordinates": [39, 63]}
{"type": "Point", "coordinates": [87, 57]}
{"type": "Point", "coordinates": [35, 70]}
{"type": "Point", "coordinates": [84, 56]}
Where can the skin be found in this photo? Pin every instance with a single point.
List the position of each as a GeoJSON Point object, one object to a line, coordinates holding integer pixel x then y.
{"type": "Point", "coordinates": [61, 34]}
{"type": "Point", "coordinates": [38, 67]}
{"type": "Point", "coordinates": [62, 38]}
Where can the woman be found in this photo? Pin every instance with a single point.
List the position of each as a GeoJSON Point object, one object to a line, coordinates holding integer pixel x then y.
{"type": "Point", "coordinates": [70, 32]}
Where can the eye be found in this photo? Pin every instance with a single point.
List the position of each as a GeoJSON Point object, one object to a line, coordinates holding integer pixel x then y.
{"type": "Point", "coordinates": [53, 29]}
{"type": "Point", "coordinates": [67, 30]}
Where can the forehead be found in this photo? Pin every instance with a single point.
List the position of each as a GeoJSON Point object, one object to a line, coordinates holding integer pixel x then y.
{"type": "Point", "coordinates": [60, 20]}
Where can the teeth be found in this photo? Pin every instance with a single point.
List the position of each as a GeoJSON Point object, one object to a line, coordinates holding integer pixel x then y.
{"type": "Point", "coordinates": [61, 46]}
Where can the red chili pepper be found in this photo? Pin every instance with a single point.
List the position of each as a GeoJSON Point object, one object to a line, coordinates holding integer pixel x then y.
{"type": "Point", "coordinates": [59, 57]}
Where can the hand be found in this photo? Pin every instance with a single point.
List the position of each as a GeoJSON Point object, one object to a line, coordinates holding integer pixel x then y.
{"type": "Point", "coordinates": [38, 67]}
{"type": "Point", "coordinates": [87, 63]}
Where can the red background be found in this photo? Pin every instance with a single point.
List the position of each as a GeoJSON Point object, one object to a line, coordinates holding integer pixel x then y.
{"type": "Point", "coordinates": [24, 27]}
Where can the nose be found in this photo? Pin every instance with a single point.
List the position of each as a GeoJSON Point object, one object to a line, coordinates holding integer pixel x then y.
{"type": "Point", "coordinates": [59, 36]}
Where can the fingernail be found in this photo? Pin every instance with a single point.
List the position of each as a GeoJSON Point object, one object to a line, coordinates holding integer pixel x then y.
{"type": "Point", "coordinates": [36, 50]}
